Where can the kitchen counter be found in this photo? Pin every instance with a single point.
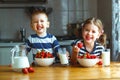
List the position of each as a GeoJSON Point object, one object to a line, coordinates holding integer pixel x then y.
{"type": "Point", "coordinates": [7, 45]}
{"type": "Point", "coordinates": [66, 42]}
{"type": "Point", "coordinates": [57, 72]}
{"type": "Point", "coordinates": [13, 43]}
{"type": "Point", "coordinates": [10, 44]}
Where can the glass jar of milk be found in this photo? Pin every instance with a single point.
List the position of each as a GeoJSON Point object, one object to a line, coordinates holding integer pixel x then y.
{"type": "Point", "coordinates": [106, 57]}
{"type": "Point", "coordinates": [63, 57]}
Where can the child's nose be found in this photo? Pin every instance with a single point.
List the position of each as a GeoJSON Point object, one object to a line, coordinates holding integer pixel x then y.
{"type": "Point", "coordinates": [89, 32]}
{"type": "Point", "coordinates": [39, 23]}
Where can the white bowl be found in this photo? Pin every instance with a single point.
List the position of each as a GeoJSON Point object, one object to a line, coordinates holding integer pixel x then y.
{"type": "Point", "coordinates": [87, 62]}
{"type": "Point", "coordinates": [44, 61]}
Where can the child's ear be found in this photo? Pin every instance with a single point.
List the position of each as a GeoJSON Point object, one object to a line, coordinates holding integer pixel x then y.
{"type": "Point", "coordinates": [99, 35]}
{"type": "Point", "coordinates": [48, 24]}
{"type": "Point", "coordinates": [31, 25]}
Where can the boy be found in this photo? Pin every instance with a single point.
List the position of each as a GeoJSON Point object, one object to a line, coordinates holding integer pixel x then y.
{"type": "Point", "coordinates": [41, 39]}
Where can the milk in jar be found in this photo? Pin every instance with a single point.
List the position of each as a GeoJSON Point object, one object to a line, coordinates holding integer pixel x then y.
{"type": "Point", "coordinates": [63, 56]}
{"type": "Point", "coordinates": [106, 57]}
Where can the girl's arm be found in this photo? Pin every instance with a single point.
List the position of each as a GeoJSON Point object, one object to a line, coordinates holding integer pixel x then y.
{"type": "Point", "coordinates": [75, 51]}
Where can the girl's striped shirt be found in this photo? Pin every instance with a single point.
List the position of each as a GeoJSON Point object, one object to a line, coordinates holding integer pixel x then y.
{"type": "Point", "coordinates": [97, 50]}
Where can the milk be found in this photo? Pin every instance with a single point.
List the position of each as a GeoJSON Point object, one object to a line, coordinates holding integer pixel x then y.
{"type": "Point", "coordinates": [20, 62]}
{"type": "Point", "coordinates": [106, 57]}
{"type": "Point", "coordinates": [63, 56]}
{"type": "Point", "coordinates": [63, 59]}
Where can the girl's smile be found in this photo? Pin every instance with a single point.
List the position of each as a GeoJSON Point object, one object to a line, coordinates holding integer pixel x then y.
{"type": "Point", "coordinates": [90, 33]}
{"type": "Point", "coordinates": [88, 37]}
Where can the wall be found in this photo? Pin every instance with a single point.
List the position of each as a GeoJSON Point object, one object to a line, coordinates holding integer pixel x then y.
{"type": "Point", "coordinates": [10, 22]}
{"type": "Point", "coordinates": [109, 13]}
{"type": "Point", "coordinates": [64, 12]}
{"type": "Point", "coordinates": [105, 14]}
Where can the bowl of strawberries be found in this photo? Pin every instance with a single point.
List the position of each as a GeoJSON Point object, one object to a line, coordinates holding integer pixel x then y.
{"type": "Point", "coordinates": [87, 60]}
{"type": "Point", "coordinates": [44, 58]}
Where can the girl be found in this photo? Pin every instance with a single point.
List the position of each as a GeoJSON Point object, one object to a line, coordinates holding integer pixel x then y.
{"type": "Point", "coordinates": [94, 40]}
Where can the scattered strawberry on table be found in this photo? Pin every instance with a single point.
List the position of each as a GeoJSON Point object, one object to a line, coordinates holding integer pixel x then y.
{"type": "Point", "coordinates": [44, 54]}
{"type": "Point", "coordinates": [100, 62]}
{"type": "Point", "coordinates": [27, 70]}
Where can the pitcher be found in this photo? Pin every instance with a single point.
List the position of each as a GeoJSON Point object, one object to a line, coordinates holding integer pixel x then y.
{"type": "Point", "coordinates": [19, 58]}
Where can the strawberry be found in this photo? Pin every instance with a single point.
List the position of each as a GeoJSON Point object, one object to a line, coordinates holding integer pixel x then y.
{"type": "Point", "coordinates": [80, 57]}
{"type": "Point", "coordinates": [25, 70]}
{"type": "Point", "coordinates": [44, 54]}
{"type": "Point", "coordinates": [30, 70]}
{"type": "Point", "coordinates": [80, 45]}
{"type": "Point", "coordinates": [100, 63]}
{"type": "Point", "coordinates": [88, 55]}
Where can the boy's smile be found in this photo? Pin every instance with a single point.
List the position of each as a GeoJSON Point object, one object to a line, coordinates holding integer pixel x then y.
{"type": "Point", "coordinates": [39, 27]}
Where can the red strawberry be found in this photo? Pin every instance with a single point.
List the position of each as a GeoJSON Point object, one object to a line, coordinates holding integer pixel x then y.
{"type": "Point", "coordinates": [99, 63]}
{"type": "Point", "coordinates": [88, 55]}
{"type": "Point", "coordinates": [80, 45]}
{"type": "Point", "coordinates": [30, 70]}
{"type": "Point", "coordinates": [25, 70]}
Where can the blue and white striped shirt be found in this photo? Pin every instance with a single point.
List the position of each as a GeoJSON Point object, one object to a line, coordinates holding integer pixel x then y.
{"type": "Point", "coordinates": [97, 50]}
{"type": "Point", "coordinates": [49, 43]}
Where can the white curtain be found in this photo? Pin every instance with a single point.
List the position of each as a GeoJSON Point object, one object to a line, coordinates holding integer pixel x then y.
{"type": "Point", "coordinates": [116, 30]}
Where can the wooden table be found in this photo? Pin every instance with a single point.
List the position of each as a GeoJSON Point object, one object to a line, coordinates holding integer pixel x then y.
{"type": "Point", "coordinates": [57, 72]}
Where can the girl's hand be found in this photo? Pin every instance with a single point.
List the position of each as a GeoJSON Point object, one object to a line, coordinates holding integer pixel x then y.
{"type": "Point", "coordinates": [68, 55]}
{"type": "Point", "coordinates": [75, 49]}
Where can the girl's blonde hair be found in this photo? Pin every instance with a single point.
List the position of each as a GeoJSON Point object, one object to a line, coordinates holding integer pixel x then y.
{"type": "Point", "coordinates": [98, 23]}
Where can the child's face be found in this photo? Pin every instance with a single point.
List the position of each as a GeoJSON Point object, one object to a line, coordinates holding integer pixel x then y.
{"type": "Point", "coordinates": [90, 33]}
{"type": "Point", "coordinates": [40, 23]}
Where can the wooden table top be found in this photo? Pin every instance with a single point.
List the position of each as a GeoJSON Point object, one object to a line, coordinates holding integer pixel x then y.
{"type": "Point", "coordinates": [57, 72]}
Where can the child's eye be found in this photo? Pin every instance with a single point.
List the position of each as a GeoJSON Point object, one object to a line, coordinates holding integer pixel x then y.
{"type": "Point", "coordinates": [42, 21]}
{"type": "Point", "coordinates": [86, 30]}
{"type": "Point", "coordinates": [35, 22]}
{"type": "Point", "coordinates": [93, 31]}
